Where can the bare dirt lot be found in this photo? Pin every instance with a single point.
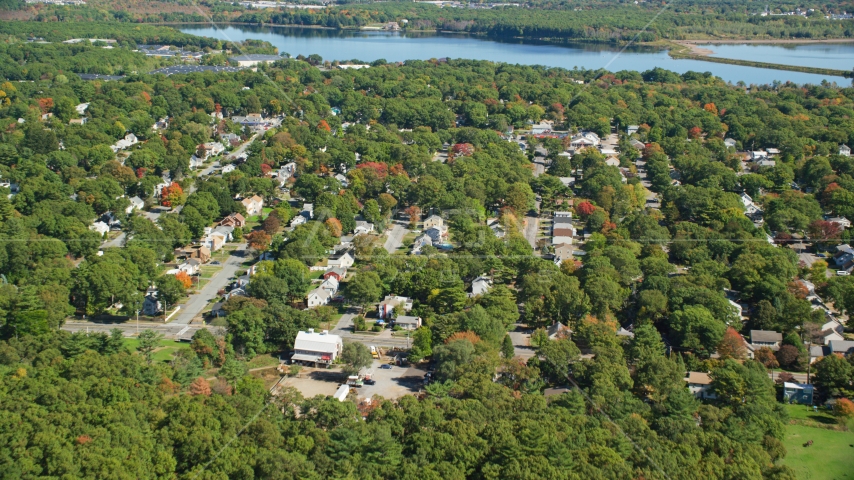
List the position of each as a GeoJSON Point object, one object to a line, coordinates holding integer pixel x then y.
{"type": "Point", "coordinates": [390, 383]}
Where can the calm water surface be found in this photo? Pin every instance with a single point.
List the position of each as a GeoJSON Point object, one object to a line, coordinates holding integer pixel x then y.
{"type": "Point", "coordinates": [372, 45]}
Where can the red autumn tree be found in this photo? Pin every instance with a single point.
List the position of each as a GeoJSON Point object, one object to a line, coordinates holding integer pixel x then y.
{"type": "Point", "coordinates": [585, 208]}
{"type": "Point", "coordinates": [172, 195]}
{"type": "Point", "coordinates": [323, 126]}
{"type": "Point", "coordinates": [265, 169]}
{"type": "Point", "coordinates": [200, 386]}
{"type": "Point", "coordinates": [414, 213]}
{"type": "Point", "coordinates": [694, 132]}
{"type": "Point", "coordinates": [259, 240]}
{"type": "Point", "coordinates": [462, 149]}
{"type": "Point", "coordinates": [334, 227]}
{"type": "Point", "coordinates": [823, 230]}
{"type": "Point", "coordinates": [185, 279]}
{"type": "Point", "coordinates": [732, 345]}
{"type": "Point", "coordinates": [271, 224]}
{"type": "Point", "coordinates": [381, 169]}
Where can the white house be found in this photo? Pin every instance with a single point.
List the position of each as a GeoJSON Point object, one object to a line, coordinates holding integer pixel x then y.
{"type": "Point", "coordinates": [841, 221]}
{"type": "Point", "coordinates": [317, 348]}
{"type": "Point", "coordinates": [420, 242]}
{"type": "Point", "coordinates": [136, 203]}
{"type": "Point", "coordinates": [252, 60]}
{"type": "Point", "coordinates": [297, 220]}
{"type": "Point", "coordinates": [317, 297]}
{"type": "Point", "coordinates": [407, 322]}
{"type": "Point", "coordinates": [343, 259]}
{"type": "Point", "coordinates": [729, 142]}
{"type": "Point", "coordinates": [330, 284]}
{"type": "Point", "coordinates": [480, 286]}
{"type": "Point", "coordinates": [213, 149]}
{"type": "Point", "coordinates": [363, 227]}
{"type": "Point", "coordinates": [228, 168]}
{"type": "Point", "coordinates": [307, 211]}
{"type": "Point", "coordinates": [700, 385]}
{"type": "Point", "coordinates": [129, 140]}
{"type": "Point", "coordinates": [750, 208]}
{"type": "Point", "coordinates": [101, 227]}
{"type": "Point", "coordinates": [390, 302]}
{"type": "Point", "coordinates": [342, 180]}
{"type": "Point", "coordinates": [541, 128]}
{"type": "Point", "coordinates": [254, 205]}
{"type": "Point", "coordinates": [845, 150]}
{"type": "Point", "coordinates": [631, 129]}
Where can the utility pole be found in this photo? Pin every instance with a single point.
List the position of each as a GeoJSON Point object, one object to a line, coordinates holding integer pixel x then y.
{"type": "Point", "coordinates": [137, 322]}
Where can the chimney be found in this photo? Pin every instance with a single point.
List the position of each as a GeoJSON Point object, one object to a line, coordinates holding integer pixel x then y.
{"type": "Point", "coordinates": [310, 330]}
{"type": "Point", "coordinates": [325, 332]}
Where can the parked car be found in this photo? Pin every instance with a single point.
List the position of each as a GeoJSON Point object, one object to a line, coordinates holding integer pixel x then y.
{"type": "Point", "coordinates": [820, 255]}
{"type": "Point", "coordinates": [385, 366]}
{"type": "Point", "coordinates": [370, 382]}
{"type": "Point", "coordinates": [842, 273]}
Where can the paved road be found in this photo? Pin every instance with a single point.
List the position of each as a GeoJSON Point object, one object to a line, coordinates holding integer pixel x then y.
{"type": "Point", "coordinates": [799, 377]}
{"type": "Point", "coordinates": [117, 242]}
{"type": "Point", "coordinates": [194, 306]}
{"type": "Point", "coordinates": [395, 236]}
{"type": "Point", "coordinates": [130, 328]}
{"type": "Point", "coordinates": [532, 226]}
{"type": "Point", "coordinates": [344, 328]}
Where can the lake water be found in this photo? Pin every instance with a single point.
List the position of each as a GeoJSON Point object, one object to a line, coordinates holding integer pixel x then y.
{"type": "Point", "coordinates": [372, 45]}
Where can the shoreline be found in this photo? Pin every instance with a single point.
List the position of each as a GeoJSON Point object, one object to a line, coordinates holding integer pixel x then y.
{"type": "Point", "coordinates": [696, 49]}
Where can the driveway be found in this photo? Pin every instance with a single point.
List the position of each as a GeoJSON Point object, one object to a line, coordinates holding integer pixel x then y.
{"type": "Point", "coordinates": [117, 242]}
{"type": "Point", "coordinates": [196, 303]}
{"type": "Point", "coordinates": [395, 237]}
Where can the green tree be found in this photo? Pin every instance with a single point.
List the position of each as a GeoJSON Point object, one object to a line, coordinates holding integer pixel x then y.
{"type": "Point", "coordinates": [507, 349]}
{"type": "Point", "coordinates": [357, 356]}
{"type": "Point", "coordinates": [364, 288]}
{"type": "Point", "coordinates": [148, 341]}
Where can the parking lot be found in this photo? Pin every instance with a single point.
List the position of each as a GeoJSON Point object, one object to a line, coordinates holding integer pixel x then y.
{"type": "Point", "coordinates": [392, 383]}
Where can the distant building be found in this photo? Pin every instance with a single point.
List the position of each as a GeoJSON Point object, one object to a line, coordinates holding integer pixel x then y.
{"type": "Point", "coordinates": [562, 230]}
{"type": "Point", "coordinates": [363, 227]}
{"type": "Point", "coordinates": [434, 221]}
{"type": "Point", "coordinates": [632, 129]}
{"type": "Point", "coordinates": [151, 306]}
{"type": "Point", "coordinates": [765, 338]}
{"type": "Point", "coordinates": [101, 227]}
{"type": "Point", "coordinates": [729, 143]}
{"type": "Point", "coordinates": [254, 205]}
{"type": "Point", "coordinates": [136, 203]}
{"type": "Point", "coordinates": [558, 330]}
{"type": "Point", "coordinates": [342, 259]}
{"type": "Point", "coordinates": [234, 220]}
{"type": "Point", "coordinates": [845, 150]}
{"type": "Point", "coordinates": [318, 297]}
{"type": "Point", "coordinates": [253, 59]}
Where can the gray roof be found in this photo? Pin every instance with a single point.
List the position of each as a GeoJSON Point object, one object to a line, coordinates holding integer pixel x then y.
{"type": "Point", "coordinates": [407, 319]}
{"type": "Point", "coordinates": [765, 336]}
{"type": "Point", "coordinates": [819, 351]}
{"type": "Point", "coordinates": [841, 346]}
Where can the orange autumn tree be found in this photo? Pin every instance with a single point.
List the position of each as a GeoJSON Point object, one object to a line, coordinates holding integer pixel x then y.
{"type": "Point", "coordinates": [711, 108]}
{"type": "Point", "coordinates": [471, 337]}
{"type": "Point", "coordinates": [172, 195]}
{"type": "Point", "coordinates": [185, 279]}
{"type": "Point", "coordinates": [200, 386]}
{"type": "Point", "coordinates": [334, 227]}
{"type": "Point", "coordinates": [45, 104]}
{"type": "Point", "coordinates": [732, 345]}
{"type": "Point", "coordinates": [585, 208]}
{"type": "Point", "coordinates": [259, 240]}
{"type": "Point", "coordinates": [324, 126]}
{"type": "Point", "coordinates": [414, 213]}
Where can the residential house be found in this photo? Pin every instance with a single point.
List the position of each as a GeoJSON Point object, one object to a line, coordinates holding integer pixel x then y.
{"type": "Point", "coordinates": [235, 220]}
{"type": "Point", "coordinates": [772, 151]}
{"type": "Point", "coordinates": [842, 347]}
{"type": "Point", "coordinates": [632, 129]}
{"type": "Point", "coordinates": [700, 385]}
{"type": "Point", "coordinates": [420, 242]}
{"type": "Point", "coordinates": [766, 163]}
{"type": "Point", "coordinates": [129, 140]}
{"type": "Point", "coordinates": [480, 286]}
{"type": "Point", "coordinates": [436, 235]}
{"type": "Point", "coordinates": [558, 330]}
{"type": "Point", "coordinates": [297, 220]}
{"type": "Point", "coordinates": [342, 180]}
{"type": "Point", "coordinates": [567, 182]}
{"type": "Point", "coordinates": [612, 161]}
{"type": "Point", "coordinates": [818, 351]}
{"type": "Point", "coordinates": [307, 211]}
{"type": "Point", "coordinates": [497, 229]}
{"type": "Point", "coordinates": [101, 227]}
{"type": "Point", "coordinates": [750, 208]}
{"type": "Point", "coordinates": [228, 168]}
{"type": "Point", "coordinates": [330, 283]}
{"type": "Point", "coordinates": [387, 306]}
{"type": "Point", "coordinates": [585, 139]}
{"type": "Point", "coordinates": [216, 238]}
{"type": "Point", "coordinates": [729, 142]}
{"type": "Point", "coordinates": [342, 259]}
{"type": "Point", "coordinates": [363, 227]}
{"type": "Point", "coordinates": [798, 393]}
{"type": "Point", "coordinates": [637, 144]}
{"type": "Point", "coordinates": [562, 229]}
{"type": "Point", "coordinates": [563, 252]}
{"type": "Point", "coordinates": [845, 150]}
{"type": "Point", "coordinates": [542, 128]}
{"type": "Point", "coordinates": [151, 306]}
{"type": "Point", "coordinates": [831, 335]}
{"type": "Point", "coordinates": [833, 324]}
{"type": "Point", "coordinates": [136, 203]}
{"type": "Point", "coordinates": [407, 322]}
{"type": "Point", "coordinates": [160, 125]}
{"type": "Point", "coordinates": [337, 273]}
{"type": "Point", "coordinates": [81, 108]}
{"type": "Point", "coordinates": [622, 332]}
{"type": "Point", "coordinates": [254, 205]}
{"type": "Point", "coordinates": [765, 338]}
{"type": "Point", "coordinates": [284, 173]}
{"type": "Point", "coordinates": [199, 252]}
{"type": "Point", "coordinates": [213, 149]}
{"type": "Point", "coordinates": [197, 161]}
{"type": "Point", "coordinates": [78, 121]}
{"type": "Point", "coordinates": [434, 221]}
{"type": "Point", "coordinates": [229, 139]}
{"type": "Point", "coordinates": [317, 348]}
{"type": "Point", "coordinates": [844, 257]}
{"type": "Point", "coordinates": [318, 297]}
{"type": "Point", "coordinates": [757, 155]}
{"type": "Point", "coordinates": [250, 120]}
{"type": "Point", "coordinates": [841, 221]}
{"type": "Point", "coordinates": [236, 292]}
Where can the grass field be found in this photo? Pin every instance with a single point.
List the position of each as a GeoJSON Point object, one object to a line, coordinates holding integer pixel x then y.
{"type": "Point", "coordinates": [806, 413]}
{"type": "Point", "coordinates": [831, 456]}
{"type": "Point", "coordinates": [164, 353]}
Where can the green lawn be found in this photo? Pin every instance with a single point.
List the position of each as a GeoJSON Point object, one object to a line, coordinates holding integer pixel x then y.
{"type": "Point", "coordinates": [830, 457]}
{"type": "Point", "coordinates": [165, 353]}
{"type": "Point", "coordinates": [806, 413]}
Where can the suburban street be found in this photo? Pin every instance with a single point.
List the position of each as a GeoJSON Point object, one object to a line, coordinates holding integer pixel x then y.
{"type": "Point", "coordinates": [196, 303]}
{"type": "Point", "coordinates": [116, 242]}
{"type": "Point", "coordinates": [130, 328]}
{"type": "Point", "coordinates": [532, 225]}
{"type": "Point", "coordinates": [395, 236]}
